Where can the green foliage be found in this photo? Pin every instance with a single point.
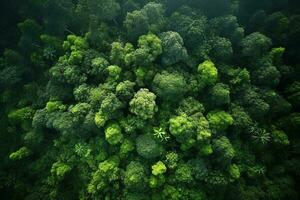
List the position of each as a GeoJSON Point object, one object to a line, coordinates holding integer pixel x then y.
{"type": "Point", "coordinates": [160, 134]}
{"type": "Point", "coordinates": [183, 173]}
{"type": "Point", "coordinates": [52, 106]}
{"type": "Point", "coordinates": [223, 150]}
{"type": "Point", "coordinates": [104, 10]}
{"type": "Point", "coordinates": [190, 106]}
{"type": "Point", "coordinates": [219, 120]}
{"type": "Point", "coordinates": [60, 169]}
{"type": "Point", "coordinates": [110, 107]}
{"type": "Point", "coordinates": [219, 95]}
{"type": "Point", "coordinates": [221, 49]}
{"type": "Point", "coordinates": [30, 35]}
{"type": "Point", "coordinates": [216, 178]}
{"type": "Point", "coordinates": [173, 48]}
{"type": "Point", "coordinates": [276, 55]}
{"type": "Point", "coordinates": [158, 168]}
{"type": "Point", "coordinates": [147, 147]}
{"type": "Point", "coordinates": [180, 126]}
{"type": "Point", "coordinates": [199, 168]}
{"type": "Point", "coordinates": [23, 152]}
{"type": "Point", "coordinates": [156, 181]}
{"type": "Point", "coordinates": [99, 120]}
{"type": "Point", "coordinates": [259, 135]}
{"type": "Point", "coordinates": [149, 18]}
{"type": "Point", "coordinates": [113, 72]}
{"type": "Point", "coordinates": [293, 93]}
{"type": "Point", "coordinates": [106, 174]}
{"type": "Point", "coordinates": [126, 147]}
{"type": "Point", "coordinates": [149, 48]}
{"type": "Point", "coordinates": [279, 137]}
{"type": "Point", "coordinates": [125, 90]}
{"type": "Point", "coordinates": [113, 133]}
{"type": "Point", "coordinates": [143, 104]}
{"type": "Point", "coordinates": [208, 73]}
{"type": "Point", "coordinates": [140, 100]}
{"type": "Point", "coordinates": [254, 104]}
{"type": "Point", "coordinates": [234, 171]}
{"type": "Point", "coordinates": [22, 116]}
{"type": "Point", "coordinates": [135, 177]}
{"type": "Point", "coordinates": [241, 118]}
{"type": "Point", "coordinates": [194, 31]}
{"type": "Point", "coordinates": [98, 65]}
{"type": "Point", "coordinates": [169, 86]}
{"type": "Point", "coordinates": [227, 26]}
{"type": "Point", "coordinates": [268, 76]}
{"type": "Point", "coordinates": [171, 160]}
{"type": "Point", "coordinates": [255, 45]}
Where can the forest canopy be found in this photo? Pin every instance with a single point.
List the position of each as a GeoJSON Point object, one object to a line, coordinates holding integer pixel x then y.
{"type": "Point", "coordinates": [150, 99]}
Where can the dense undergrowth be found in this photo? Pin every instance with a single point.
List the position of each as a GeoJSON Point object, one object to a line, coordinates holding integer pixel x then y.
{"type": "Point", "coordinates": [160, 100]}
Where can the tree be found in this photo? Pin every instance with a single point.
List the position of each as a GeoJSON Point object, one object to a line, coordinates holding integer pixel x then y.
{"type": "Point", "coordinates": [238, 78]}
{"type": "Point", "coordinates": [208, 73]}
{"type": "Point", "coordinates": [183, 173]}
{"type": "Point", "coordinates": [109, 109]}
{"type": "Point", "coordinates": [255, 45]}
{"type": "Point", "coordinates": [259, 135]}
{"type": "Point", "coordinates": [126, 147]}
{"type": "Point", "coordinates": [57, 15]}
{"type": "Point", "coordinates": [143, 104]}
{"type": "Point", "coordinates": [169, 86]}
{"type": "Point", "coordinates": [280, 137]}
{"type": "Point", "coordinates": [293, 92]}
{"type": "Point", "coordinates": [221, 49]}
{"type": "Point", "coordinates": [276, 26]}
{"type": "Point", "coordinates": [234, 171]}
{"type": "Point", "coordinates": [173, 48]}
{"type": "Point", "coordinates": [125, 90]}
{"type": "Point", "coordinates": [241, 119]}
{"type": "Point", "coordinates": [199, 168]}
{"type": "Point", "coordinates": [98, 66]}
{"type": "Point", "coordinates": [135, 177]}
{"type": "Point", "coordinates": [81, 93]}
{"type": "Point", "coordinates": [158, 168]}
{"type": "Point", "coordinates": [278, 105]}
{"type": "Point", "coordinates": [30, 35]}
{"type": "Point", "coordinates": [114, 72]}
{"type": "Point", "coordinates": [223, 150]}
{"type": "Point", "coordinates": [22, 116]}
{"type": "Point", "coordinates": [276, 55]}
{"type": "Point", "coordinates": [119, 51]}
{"type": "Point", "coordinates": [107, 173]}
{"type": "Point", "coordinates": [23, 152]}
{"type": "Point", "coordinates": [268, 76]}
{"type": "Point", "coordinates": [219, 95]}
{"type": "Point", "coordinates": [147, 147]}
{"type": "Point", "coordinates": [219, 120]}
{"type": "Point", "coordinates": [136, 23]}
{"type": "Point", "coordinates": [11, 72]}
{"type": "Point", "coordinates": [251, 99]}
{"type": "Point", "coordinates": [190, 106]}
{"type": "Point", "coordinates": [149, 18]}
{"type": "Point", "coordinates": [139, 100]}
{"type": "Point", "coordinates": [194, 32]}
{"type": "Point", "coordinates": [181, 126]}
{"type": "Point", "coordinates": [113, 134]}
{"type": "Point", "coordinates": [171, 160]}
{"type": "Point", "coordinates": [227, 26]}
{"type": "Point", "coordinates": [104, 10]}
{"type": "Point", "coordinates": [214, 7]}
{"type": "Point", "coordinates": [149, 48]}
